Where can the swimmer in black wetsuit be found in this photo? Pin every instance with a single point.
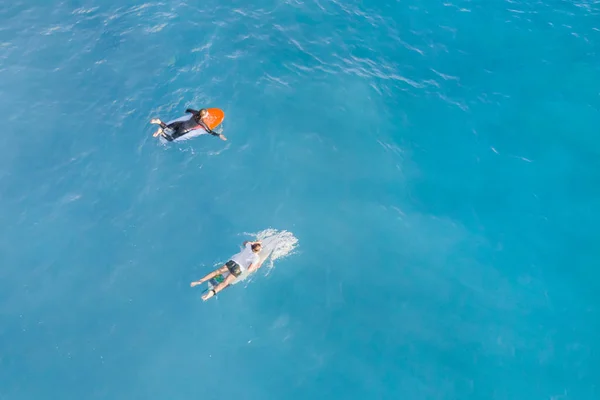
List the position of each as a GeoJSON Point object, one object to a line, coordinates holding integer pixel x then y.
{"type": "Point", "coordinates": [179, 128]}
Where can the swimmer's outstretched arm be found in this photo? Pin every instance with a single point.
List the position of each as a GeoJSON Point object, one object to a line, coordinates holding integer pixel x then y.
{"type": "Point", "coordinates": [222, 137]}
{"type": "Point", "coordinates": [253, 267]}
{"type": "Point", "coordinates": [206, 128]}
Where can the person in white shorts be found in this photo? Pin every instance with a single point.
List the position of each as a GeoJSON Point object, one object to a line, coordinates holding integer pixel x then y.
{"type": "Point", "coordinates": [246, 260]}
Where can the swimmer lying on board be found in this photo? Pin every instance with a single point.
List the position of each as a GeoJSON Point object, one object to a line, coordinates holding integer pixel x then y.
{"type": "Point", "coordinates": [180, 128]}
{"type": "Point", "coordinates": [246, 260]}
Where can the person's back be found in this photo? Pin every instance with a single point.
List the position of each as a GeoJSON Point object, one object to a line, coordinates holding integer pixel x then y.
{"type": "Point", "coordinates": [195, 121]}
{"type": "Point", "coordinates": [187, 126]}
{"type": "Point", "coordinates": [246, 257]}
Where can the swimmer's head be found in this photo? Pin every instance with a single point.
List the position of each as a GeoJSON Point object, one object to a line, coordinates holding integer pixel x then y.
{"type": "Point", "coordinates": [256, 247]}
{"type": "Point", "coordinates": [203, 113]}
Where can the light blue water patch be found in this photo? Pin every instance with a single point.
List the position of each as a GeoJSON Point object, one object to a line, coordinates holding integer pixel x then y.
{"type": "Point", "coordinates": [437, 161]}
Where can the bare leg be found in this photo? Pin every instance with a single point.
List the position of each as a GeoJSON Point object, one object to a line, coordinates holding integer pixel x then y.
{"type": "Point", "coordinates": [216, 272]}
{"type": "Point", "coordinates": [222, 137]}
{"type": "Point", "coordinates": [163, 126]}
{"type": "Point", "coordinates": [159, 131]}
{"type": "Point", "coordinates": [219, 287]}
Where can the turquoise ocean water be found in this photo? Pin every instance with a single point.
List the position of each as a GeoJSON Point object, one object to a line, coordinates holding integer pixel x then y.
{"type": "Point", "coordinates": [438, 162]}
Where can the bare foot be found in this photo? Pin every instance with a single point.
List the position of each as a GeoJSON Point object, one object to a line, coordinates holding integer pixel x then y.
{"type": "Point", "coordinates": [155, 121]}
{"type": "Point", "coordinates": [194, 284]}
{"type": "Point", "coordinates": [158, 132]}
{"type": "Point", "coordinates": [207, 295]}
{"type": "Point", "coordinates": [222, 137]}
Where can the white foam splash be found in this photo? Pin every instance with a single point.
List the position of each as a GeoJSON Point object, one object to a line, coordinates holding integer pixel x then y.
{"type": "Point", "coordinates": [279, 244]}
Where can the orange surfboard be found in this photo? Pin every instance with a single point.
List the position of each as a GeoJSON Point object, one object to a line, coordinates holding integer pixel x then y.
{"type": "Point", "coordinates": [214, 118]}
